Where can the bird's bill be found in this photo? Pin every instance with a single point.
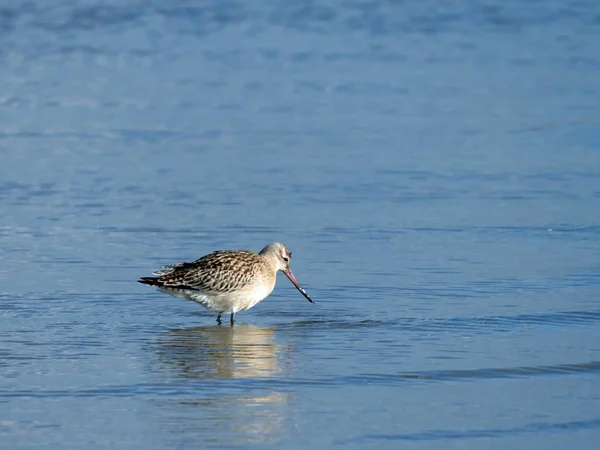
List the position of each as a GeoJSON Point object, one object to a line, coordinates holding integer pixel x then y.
{"type": "Point", "coordinates": [288, 273]}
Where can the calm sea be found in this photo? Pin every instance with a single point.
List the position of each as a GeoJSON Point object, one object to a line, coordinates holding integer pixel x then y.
{"type": "Point", "coordinates": [433, 166]}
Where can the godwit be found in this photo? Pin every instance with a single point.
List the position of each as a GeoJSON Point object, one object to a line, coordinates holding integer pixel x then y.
{"type": "Point", "coordinates": [227, 281]}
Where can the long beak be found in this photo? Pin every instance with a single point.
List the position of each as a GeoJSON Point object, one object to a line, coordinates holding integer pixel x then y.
{"type": "Point", "coordinates": [288, 273]}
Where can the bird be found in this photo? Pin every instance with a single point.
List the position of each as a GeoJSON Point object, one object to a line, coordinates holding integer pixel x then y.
{"type": "Point", "coordinates": [227, 281]}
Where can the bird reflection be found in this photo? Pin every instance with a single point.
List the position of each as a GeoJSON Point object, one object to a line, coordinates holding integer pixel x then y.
{"type": "Point", "coordinates": [205, 352]}
{"type": "Point", "coordinates": [234, 413]}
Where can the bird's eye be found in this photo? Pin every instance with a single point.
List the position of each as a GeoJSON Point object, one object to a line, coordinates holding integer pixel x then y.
{"type": "Point", "coordinates": [286, 259]}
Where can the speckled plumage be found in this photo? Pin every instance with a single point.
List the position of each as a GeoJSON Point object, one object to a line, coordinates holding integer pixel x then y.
{"type": "Point", "coordinates": [226, 281]}
{"type": "Point", "coordinates": [220, 271]}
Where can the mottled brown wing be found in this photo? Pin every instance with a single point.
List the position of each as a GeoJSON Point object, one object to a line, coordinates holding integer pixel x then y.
{"type": "Point", "coordinates": [221, 271]}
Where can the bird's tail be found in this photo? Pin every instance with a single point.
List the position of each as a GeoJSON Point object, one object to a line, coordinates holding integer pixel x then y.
{"type": "Point", "coordinates": [152, 281]}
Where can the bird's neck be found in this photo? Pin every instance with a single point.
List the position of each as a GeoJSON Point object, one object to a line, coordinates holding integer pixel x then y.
{"type": "Point", "coordinates": [271, 261]}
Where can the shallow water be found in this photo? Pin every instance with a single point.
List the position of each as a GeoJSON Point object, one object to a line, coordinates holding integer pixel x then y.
{"type": "Point", "coordinates": [434, 169]}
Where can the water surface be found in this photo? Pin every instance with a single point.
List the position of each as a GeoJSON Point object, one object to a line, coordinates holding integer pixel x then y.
{"type": "Point", "coordinates": [433, 168]}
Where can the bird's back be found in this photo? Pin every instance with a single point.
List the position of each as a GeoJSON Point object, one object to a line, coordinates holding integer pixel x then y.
{"type": "Point", "coordinates": [220, 272]}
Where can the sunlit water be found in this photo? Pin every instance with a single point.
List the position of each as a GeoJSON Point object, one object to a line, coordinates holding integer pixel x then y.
{"type": "Point", "coordinates": [434, 168]}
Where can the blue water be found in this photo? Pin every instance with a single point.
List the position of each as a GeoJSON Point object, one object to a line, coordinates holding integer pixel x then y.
{"type": "Point", "coordinates": [434, 168]}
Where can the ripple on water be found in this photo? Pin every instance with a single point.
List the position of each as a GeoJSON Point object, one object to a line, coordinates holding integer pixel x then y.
{"type": "Point", "coordinates": [486, 324]}
{"type": "Point", "coordinates": [244, 379]}
{"type": "Point", "coordinates": [434, 435]}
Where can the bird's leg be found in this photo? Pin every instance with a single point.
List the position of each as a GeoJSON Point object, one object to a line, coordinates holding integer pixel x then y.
{"type": "Point", "coordinates": [231, 318]}
{"type": "Point", "coordinates": [219, 319]}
